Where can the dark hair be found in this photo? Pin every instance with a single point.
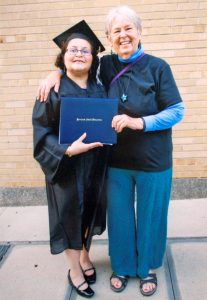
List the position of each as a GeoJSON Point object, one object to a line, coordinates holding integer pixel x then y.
{"type": "Point", "coordinates": [60, 57]}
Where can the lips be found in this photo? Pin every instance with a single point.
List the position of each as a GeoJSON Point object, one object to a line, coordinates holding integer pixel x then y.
{"type": "Point", "coordinates": [125, 43]}
{"type": "Point", "coordinates": [79, 61]}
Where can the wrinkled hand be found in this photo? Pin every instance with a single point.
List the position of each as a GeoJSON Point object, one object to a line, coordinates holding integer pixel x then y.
{"type": "Point", "coordinates": [78, 146]}
{"type": "Point", "coordinates": [52, 80]}
{"type": "Point", "coordinates": [120, 122]}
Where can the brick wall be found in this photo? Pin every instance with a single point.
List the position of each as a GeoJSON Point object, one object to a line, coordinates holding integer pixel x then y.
{"type": "Point", "coordinates": [175, 30]}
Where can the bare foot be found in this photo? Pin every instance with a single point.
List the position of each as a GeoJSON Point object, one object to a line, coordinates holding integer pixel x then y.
{"type": "Point", "coordinates": [77, 278]}
{"type": "Point", "coordinates": [86, 263]}
{"type": "Point", "coordinates": [116, 282]}
{"type": "Point", "coordinates": [148, 285]}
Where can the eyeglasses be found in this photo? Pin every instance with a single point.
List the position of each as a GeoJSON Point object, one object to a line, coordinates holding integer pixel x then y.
{"type": "Point", "coordinates": [74, 51]}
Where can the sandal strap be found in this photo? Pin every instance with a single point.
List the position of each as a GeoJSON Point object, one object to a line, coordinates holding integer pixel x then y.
{"type": "Point", "coordinates": [78, 287]}
{"type": "Point", "coordinates": [90, 269]}
{"type": "Point", "coordinates": [123, 279]}
{"type": "Point", "coordinates": [152, 279]}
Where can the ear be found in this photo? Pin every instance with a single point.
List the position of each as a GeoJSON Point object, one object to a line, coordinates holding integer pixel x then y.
{"type": "Point", "coordinates": [109, 40]}
{"type": "Point", "coordinates": [140, 35]}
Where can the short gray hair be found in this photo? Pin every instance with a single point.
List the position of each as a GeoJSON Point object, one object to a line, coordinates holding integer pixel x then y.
{"type": "Point", "coordinates": [127, 13]}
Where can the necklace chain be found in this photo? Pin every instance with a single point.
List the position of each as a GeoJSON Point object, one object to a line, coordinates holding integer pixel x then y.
{"type": "Point", "coordinates": [124, 96]}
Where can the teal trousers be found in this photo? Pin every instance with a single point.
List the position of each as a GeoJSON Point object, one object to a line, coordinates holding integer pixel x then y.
{"type": "Point", "coordinates": [137, 204]}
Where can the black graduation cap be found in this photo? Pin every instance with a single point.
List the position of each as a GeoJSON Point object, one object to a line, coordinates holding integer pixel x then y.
{"type": "Point", "coordinates": [81, 27]}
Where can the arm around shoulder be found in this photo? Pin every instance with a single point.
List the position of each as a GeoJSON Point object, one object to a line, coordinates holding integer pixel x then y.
{"type": "Point", "coordinates": [52, 80]}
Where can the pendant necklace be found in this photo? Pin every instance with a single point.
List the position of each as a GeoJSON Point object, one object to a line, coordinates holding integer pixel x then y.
{"type": "Point", "coordinates": [124, 96]}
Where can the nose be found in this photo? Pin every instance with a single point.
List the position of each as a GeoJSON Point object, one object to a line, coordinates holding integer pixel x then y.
{"type": "Point", "coordinates": [122, 33]}
{"type": "Point", "coordinates": [79, 53]}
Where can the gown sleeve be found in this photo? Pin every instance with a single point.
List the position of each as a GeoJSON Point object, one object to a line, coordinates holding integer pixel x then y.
{"type": "Point", "coordinates": [47, 151]}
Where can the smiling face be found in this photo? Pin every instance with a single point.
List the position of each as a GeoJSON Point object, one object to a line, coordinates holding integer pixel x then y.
{"type": "Point", "coordinates": [78, 62]}
{"type": "Point", "coordinates": [124, 37]}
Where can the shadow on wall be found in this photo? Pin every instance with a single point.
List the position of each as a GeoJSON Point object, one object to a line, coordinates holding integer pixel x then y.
{"type": "Point", "coordinates": [182, 189]}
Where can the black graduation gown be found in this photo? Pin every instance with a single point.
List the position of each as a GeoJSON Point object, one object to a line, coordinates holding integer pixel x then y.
{"type": "Point", "coordinates": [75, 186]}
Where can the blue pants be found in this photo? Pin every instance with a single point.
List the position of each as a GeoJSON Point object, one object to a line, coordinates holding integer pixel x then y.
{"type": "Point", "coordinates": [137, 229]}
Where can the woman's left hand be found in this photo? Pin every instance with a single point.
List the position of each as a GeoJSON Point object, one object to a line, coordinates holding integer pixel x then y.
{"type": "Point", "coordinates": [120, 122]}
{"type": "Point", "coordinates": [78, 146]}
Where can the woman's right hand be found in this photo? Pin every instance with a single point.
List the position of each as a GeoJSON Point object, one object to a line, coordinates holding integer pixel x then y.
{"type": "Point", "coordinates": [79, 147]}
{"type": "Point", "coordinates": [52, 80]}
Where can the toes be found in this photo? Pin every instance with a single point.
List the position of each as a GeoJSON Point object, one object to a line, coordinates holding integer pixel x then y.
{"type": "Point", "coordinates": [148, 287]}
{"type": "Point", "coordinates": [116, 283]}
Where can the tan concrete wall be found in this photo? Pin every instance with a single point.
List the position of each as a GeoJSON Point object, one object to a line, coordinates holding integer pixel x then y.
{"type": "Point", "coordinates": [175, 30]}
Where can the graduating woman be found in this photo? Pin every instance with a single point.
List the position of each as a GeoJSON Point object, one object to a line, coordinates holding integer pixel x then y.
{"type": "Point", "coordinates": [74, 173]}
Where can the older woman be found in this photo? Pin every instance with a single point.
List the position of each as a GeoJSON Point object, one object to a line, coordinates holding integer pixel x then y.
{"type": "Point", "coordinates": [150, 105]}
{"type": "Point", "coordinates": [74, 174]}
{"type": "Point", "coordinates": [141, 161]}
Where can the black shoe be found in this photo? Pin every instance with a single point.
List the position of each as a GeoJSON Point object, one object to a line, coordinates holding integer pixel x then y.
{"type": "Point", "coordinates": [90, 278]}
{"type": "Point", "coordinates": [87, 293]}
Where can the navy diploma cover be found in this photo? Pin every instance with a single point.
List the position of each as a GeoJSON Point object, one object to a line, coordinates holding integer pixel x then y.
{"type": "Point", "coordinates": [90, 115]}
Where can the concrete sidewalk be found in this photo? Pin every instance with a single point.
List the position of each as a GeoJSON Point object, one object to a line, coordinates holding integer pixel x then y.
{"type": "Point", "coordinates": [29, 272]}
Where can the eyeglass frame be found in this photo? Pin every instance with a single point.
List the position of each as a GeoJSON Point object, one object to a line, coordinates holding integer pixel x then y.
{"type": "Point", "coordinates": [74, 51]}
